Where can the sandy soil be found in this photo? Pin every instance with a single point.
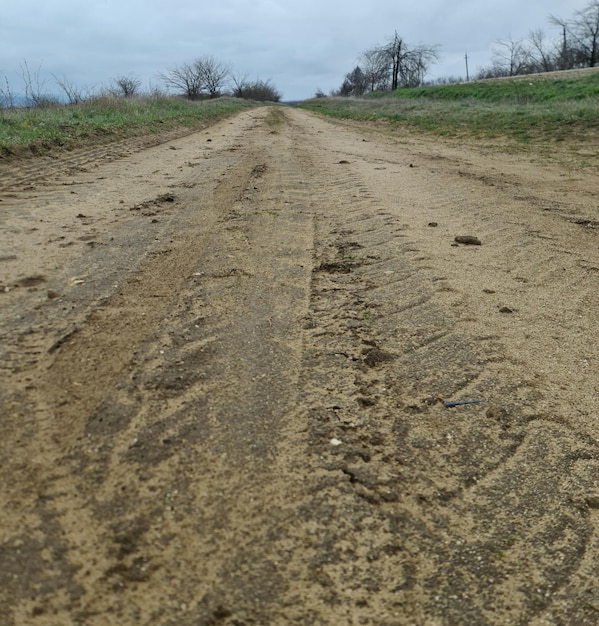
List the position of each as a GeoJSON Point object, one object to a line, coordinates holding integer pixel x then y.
{"type": "Point", "coordinates": [225, 361]}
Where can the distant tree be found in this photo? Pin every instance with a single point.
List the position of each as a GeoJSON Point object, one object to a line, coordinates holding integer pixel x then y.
{"type": "Point", "coordinates": [400, 64]}
{"type": "Point", "coordinates": [510, 58]}
{"type": "Point", "coordinates": [185, 79]}
{"type": "Point", "coordinates": [376, 71]}
{"type": "Point", "coordinates": [354, 83]}
{"type": "Point", "coordinates": [580, 36]}
{"type": "Point", "coordinates": [213, 75]}
{"type": "Point", "coordinates": [320, 93]}
{"type": "Point", "coordinates": [204, 77]}
{"type": "Point", "coordinates": [542, 54]}
{"type": "Point", "coordinates": [125, 87]}
{"type": "Point", "coordinates": [259, 90]}
{"type": "Point", "coordinates": [566, 57]}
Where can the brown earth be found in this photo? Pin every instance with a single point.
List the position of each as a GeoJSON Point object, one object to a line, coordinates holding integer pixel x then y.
{"type": "Point", "coordinates": [224, 366]}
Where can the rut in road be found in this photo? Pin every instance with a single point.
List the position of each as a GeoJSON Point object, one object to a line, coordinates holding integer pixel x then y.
{"type": "Point", "coordinates": [248, 426]}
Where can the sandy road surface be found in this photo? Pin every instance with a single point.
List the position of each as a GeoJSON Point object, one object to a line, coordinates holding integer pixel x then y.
{"type": "Point", "coordinates": [224, 366]}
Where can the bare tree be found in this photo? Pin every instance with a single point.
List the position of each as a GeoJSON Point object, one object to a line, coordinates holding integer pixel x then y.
{"type": "Point", "coordinates": [542, 54]}
{"type": "Point", "coordinates": [420, 59]}
{"type": "Point", "coordinates": [213, 74]}
{"type": "Point", "coordinates": [376, 71]}
{"type": "Point", "coordinates": [580, 36]}
{"type": "Point", "coordinates": [238, 83]}
{"type": "Point", "coordinates": [184, 79]}
{"type": "Point", "coordinates": [125, 87]}
{"type": "Point", "coordinates": [510, 58]}
{"type": "Point", "coordinates": [401, 64]}
{"type": "Point", "coordinates": [205, 76]}
{"type": "Point", "coordinates": [394, 54]}
{"type": "Point", "coordinates": [566, 57]}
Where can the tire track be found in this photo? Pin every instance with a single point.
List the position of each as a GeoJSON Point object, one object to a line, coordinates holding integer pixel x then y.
{"type": "Point", "coordinates": [443, 481]}
{"type": "Point", "coordinates": [26, 174]}
{"type": "Point", "coordinates": [260, 436]}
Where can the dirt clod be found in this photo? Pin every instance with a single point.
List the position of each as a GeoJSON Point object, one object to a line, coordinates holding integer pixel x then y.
{"type": "Point", "coordinates": [468, 240]}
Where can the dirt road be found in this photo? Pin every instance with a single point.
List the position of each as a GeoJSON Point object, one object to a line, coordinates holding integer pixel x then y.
{"type": "Point", "coordinates": [225, 361]}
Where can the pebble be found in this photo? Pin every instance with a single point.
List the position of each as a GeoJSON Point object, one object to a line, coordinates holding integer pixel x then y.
{"type": "Point", "coordinates": [468, 240]}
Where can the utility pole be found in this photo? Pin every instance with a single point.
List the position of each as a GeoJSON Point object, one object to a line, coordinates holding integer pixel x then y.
{"type": "Point", "coordinates": [467, 73]}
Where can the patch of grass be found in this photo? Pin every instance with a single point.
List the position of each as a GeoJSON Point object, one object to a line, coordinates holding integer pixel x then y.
{"type": "Point", "coordinates": [275, 118]}
{"type": "Point", "coordinates": [105, 118]}
{"type": "Point", "coordinates": [520, 111]}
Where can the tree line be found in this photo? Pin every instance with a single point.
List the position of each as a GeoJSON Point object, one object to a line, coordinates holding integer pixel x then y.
{"type": "Point", "coordinates": [576, 47]}
{"type": "Point", "coordinates": [204, 78]}
{"type": "Point", "coordinates": [397, 64]}
{"type": "Point", "coordinates": [388, 66]}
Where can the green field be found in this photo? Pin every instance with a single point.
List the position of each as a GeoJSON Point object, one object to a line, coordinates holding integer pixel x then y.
{"type": "Point", "coordinates": [535, 110]}
{"type": "Point", "coordinates": [101, 119]}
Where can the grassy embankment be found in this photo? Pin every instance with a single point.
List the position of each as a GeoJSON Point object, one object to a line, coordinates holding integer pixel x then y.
{"type": "Point", "coordinates": [100, 119]}
{"type": "Point", "coordinates": [539, 111]}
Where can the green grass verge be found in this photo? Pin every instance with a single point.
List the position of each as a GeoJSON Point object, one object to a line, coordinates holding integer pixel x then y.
{"type": "Point", "coordinates": [102, 119]}
{"type": "Point", "coordinates": [520, 90]}
{"type": "Point", "coordinates": [521, 111]}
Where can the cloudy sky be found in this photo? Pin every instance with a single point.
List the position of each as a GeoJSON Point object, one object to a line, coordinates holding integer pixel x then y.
{"type": "Point", "coordinates": [300, 45]}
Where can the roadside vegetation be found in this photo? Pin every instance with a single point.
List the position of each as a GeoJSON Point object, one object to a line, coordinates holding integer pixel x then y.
{"type": "Point", "coordinates": [37, 129]}
{"type": "Point", "coordinates": [540, 93]}
{"type": "Point", "coordinates": [37, 119]}
{"type": "Point", "coordinates": [540, 111]}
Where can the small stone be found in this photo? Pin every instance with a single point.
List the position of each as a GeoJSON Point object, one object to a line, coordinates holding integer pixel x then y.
{"type": "Point", "coordinates": [506, 309]}
{"type": "Point", "coordinates": [592, 500]}
{"type": "Point", "coordinates": [375, 356]}
{"type": "Point", "coordinates": [433, 224]}
{"type": "Point", "coordinates": [468, 240]}
{"type": "Point", "coordinates": [52, 295]}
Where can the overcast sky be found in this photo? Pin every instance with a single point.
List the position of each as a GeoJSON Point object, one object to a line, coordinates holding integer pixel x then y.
{"type": "Point", "coordinates": [300, 45]}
